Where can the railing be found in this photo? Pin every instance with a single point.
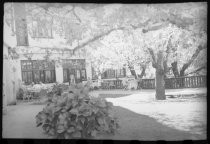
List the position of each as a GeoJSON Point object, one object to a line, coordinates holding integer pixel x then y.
{"type": "Point", "coordinates": [147, 84]}
{"type": "Point", "coordinates": [170, 83]}
{"type": "Point", "coordinates": [186, 82]}
{"type": "Point", "coordinates": [112, 84]}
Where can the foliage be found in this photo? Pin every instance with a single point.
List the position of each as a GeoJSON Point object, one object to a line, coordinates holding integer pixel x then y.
{"type": "Point", "coordinates": [199, 65]}
{"type": "Point", "coordinates": [74, 114]}
{"type": "Point", "coordinates": [186, 46]}
{"type": "Point", "coordinates": [20, 94]}
{"type": "Point", "coordinates": [119, 49]}
{"type": "Point", "coordinates": [172, 32]}
{"type": "Point", "coordinates": [58, 89]}
{"type": "Point", "coordinates": [78, 24]}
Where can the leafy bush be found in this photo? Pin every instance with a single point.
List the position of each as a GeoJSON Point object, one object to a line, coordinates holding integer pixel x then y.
{"type": "Point", "coordinates": [20, 94]}
{"type": "Point", "coordinates": [57, 89]}
{"type": "Point", "coordinates": [75, 114]}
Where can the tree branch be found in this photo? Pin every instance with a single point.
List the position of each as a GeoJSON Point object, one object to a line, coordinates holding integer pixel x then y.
{"type": "Point", "coordinates": [155, 27]}
{"type": "Point", "coordinates": [194, 56]}
{"type": "Point", "coordinates": [199, 69]}
{"type": "Point", "coordinates": [73, 10]}
{"type": "Point", "coordinates": [165, 67]}
{"type": "Point", "coordinates": [175, 69]}
{"type": "Point", "coordinates": [167, 54]}
{"type": "Point", "coordinates": [168, 47]}
{"type": "Point", "coordinates": [181, 22]}
{"type": "Point", "coordinates": [108, 32]}
{"type": "Point", "coordinates": [95, 38]}
{"type": "Point", "coordinates": [154, 63]}
{"type": "Point", "coordinates": [142, 72]}
{"type": "Point", "coordinates": [141, 24]}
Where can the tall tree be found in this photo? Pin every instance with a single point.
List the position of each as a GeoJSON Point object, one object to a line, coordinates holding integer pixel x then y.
{"type": "Point", "coordinates": [20, 24]}
{"type": "Point", "coordinates": [190, 46]}
{"type": "Point", "coordinates": [191, 41]}
{"type": "Point", "coordinates": [158, 44]}
{"type": "Point", "coordinates": [183, 19]}
{"type": "Point", "coordinates": [128, 51]}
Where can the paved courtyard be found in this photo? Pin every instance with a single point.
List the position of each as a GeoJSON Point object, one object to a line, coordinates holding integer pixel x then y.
{"type": "Point", "coordinates": [140, 117]}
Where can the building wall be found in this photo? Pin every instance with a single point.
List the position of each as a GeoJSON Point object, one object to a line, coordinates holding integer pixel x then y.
{"type": "Point", "coordinates": [38, 53]}
{"type": "Point", "coordinates": [12, 75]}
{"type": "Point", "coordinates": [4, 88]}
{"type": "Point", "coordinates": [11, 78]}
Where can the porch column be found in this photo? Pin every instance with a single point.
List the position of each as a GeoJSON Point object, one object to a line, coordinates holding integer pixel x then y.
{"type": "Point", "coordinates": [88, 69]}
{"type": "Point", "coordinates": [59, 72]}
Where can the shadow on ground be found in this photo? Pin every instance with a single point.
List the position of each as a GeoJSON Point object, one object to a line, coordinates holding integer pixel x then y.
{"type": "Point", "coordinates": [135, 126]}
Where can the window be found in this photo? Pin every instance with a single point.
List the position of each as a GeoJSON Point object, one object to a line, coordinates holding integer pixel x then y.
{"type": "Point", "coordinates": [111, 73]}
{"type": "Point", "coordinates": [47, 76]}
{"type": "Point", "coordinates": [27, 76]}
{"type": "Point", "coordinates": [75, 67]}
{"type": "Point", "coordinates": [38, 71]}
{"type": "Point", "coordinates": [78, 74]}
{"type": "Point", "coordinates": [83, 74]}
{"type": "Point", "coordinates": [121, 72]}
{"type": "Point", "coordinates": [42, 27]}
{"type": "Point", "coordinates": [94, 75]}
{"type": "Point", "coordinates": [65, 75]}
{"type": "Point", "coordinates": [36, 76]}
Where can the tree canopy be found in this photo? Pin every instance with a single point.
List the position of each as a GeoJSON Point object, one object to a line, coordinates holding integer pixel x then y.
{"type": "Point", "coordinates": [81, 25]}
{"type": "Point", "coordinates": [170, 36]}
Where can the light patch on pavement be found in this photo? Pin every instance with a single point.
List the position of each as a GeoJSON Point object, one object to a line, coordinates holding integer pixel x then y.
{"type": "Point", "coordinates": [186, 114]}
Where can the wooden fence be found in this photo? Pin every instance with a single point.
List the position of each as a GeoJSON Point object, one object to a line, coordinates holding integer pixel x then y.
{"type": "Point", "coordinates": [186, 82]}
{"type": "Point", "coordinates": [170, 83]}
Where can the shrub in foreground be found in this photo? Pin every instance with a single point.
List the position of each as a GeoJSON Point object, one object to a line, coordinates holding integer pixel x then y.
{"type": "Point", "coordinates": [75, 115]}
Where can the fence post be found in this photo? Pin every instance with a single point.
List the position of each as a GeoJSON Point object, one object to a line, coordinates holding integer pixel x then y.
{"type": "Point", "coordinates": [199, 81]}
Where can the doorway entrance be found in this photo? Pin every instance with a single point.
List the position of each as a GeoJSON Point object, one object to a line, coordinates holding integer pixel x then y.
{"type": "Point", "coordinates": [74, 69]}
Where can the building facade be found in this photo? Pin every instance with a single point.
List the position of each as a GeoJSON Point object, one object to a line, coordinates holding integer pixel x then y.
{"type": "Point", "coordinates": [34, 53]}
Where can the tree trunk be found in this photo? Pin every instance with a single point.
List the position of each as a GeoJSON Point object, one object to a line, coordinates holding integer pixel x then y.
{"type": "Point", "coordinates": [20, 24]}
{"type": "Point", "coordinates": [175, 69]}
{"type": "Point", "coordinates": [99, 80]}
{"type": "Point", "coordinates": [160, 75]}
{"type": "Point", "coordinates": [197, 70]}
{"type": "Point", "coordinates": [142, 72]}
{"type": "Point", "coordinates": [133, 72]}
{"type": "Point", "coordinates": [182, 72]}
{"type": "Point", "coordinates": [194, 56]}
{"type": "Point", "coordinates": [160, 85]}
